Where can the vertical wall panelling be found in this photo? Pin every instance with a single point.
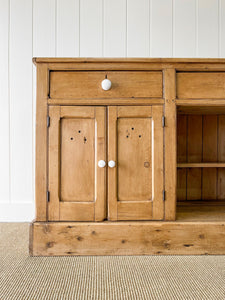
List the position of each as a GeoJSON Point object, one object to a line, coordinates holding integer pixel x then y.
{"type": "Point", "coordinates": [4, 103]}
{"type": "Point", "coordinates": [161, 21]}
{"type": "Point", "coordinates": [91, 28]}
{"type": "Point", "coordinates": [20, 70]}
{"type": "Point", "coordinates": [67, 28]}
{"type": "Point", "coordinates": [207, 28]}
{"type": "Point", "coordinates": [184, 28]}
{"type": "Point", "coordinates": [114, 26]}
{"type": "Point", "coordinates": [138, 28]}
{"type": "Point", "coordinates": [44, 28]}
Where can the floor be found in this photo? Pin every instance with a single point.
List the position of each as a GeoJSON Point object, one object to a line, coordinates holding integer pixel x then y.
{"type": "Point", "coordinates": [118, 277]}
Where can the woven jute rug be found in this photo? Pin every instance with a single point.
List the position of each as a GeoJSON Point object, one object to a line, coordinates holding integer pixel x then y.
{"type": "Point", "coordinates": [104, 277]}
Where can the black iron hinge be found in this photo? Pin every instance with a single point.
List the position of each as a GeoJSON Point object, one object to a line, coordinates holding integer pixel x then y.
{"type": "Point", "coordinates": [48, 196]}
{"type": "Point", "coordinates": [163, 121]}
{"type": "Point", "coordinates": [164, 195]}
{"type": "Point", "coordinates": [48, 121]}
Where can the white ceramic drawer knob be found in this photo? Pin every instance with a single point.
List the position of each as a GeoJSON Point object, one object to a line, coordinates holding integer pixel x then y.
{"type": "Point", "coordinates": [106, 84]}
{"type": "Point", "coordinates": [101, 163]}
{"type": "Point", "coordinates": [111, 164]}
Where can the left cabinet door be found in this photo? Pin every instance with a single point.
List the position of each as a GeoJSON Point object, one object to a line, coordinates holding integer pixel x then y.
{"type": "Point", "coordinates": [76, 143]}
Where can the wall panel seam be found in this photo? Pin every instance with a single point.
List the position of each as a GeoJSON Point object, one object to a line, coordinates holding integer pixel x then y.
{"type": "Point", "coordinates": [196, 28]}
{"type": "Point", "coordinates": [219, 28]}
{"type": "Point", "coordinates": [9, 99]}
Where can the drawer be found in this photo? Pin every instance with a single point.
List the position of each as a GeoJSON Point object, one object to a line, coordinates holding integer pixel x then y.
{"type": "Point", "coordinates": [201, 85]}
{"type": "Point", "coordinates": [79, 85]}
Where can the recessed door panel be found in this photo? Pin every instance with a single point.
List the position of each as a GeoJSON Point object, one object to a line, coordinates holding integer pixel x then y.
{"type": "Point", "coordinates": [134, 159]}
{"type": "Point", "coordinates": [77, 159]}
{"type": "Point", "coordinates": [135, 143]}
{"type": "Point", "coordinates": [77, 185]}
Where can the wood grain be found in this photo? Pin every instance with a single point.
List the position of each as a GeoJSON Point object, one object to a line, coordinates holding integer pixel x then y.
{"type": "Point", "coordinates": [134, 151]}
{"type": "Point", "coordinates": [77, 161]}
{"type": "Point", "coordinates": [194, 154]}
{"type": "Point", "coordinates": [209, 176]}
{"type": "Point", "coordinates": [112, 155]}
{"type": "Point", "coordinates": [136, 142]}
{"type": "Point", "coordinates": [133, 238]}
{"type": "Point", "coordinates": [170, 144]}
{"type": "Point", "coordinates": [158, 163]}
{"type": "Point", "coordinates": [100, 181]}
{"type": "Point", "coordinates": [221, 158]}
{"type": "Point", "coordinates": [41, 143]}
{"type": "Point", "coordinates": [80, 211]}
{"type": "Point", "coordinates": [181, 156]}
{"type": "Point", "coordinates": [201, 165]}
{"type": "Point", "coordinates": [88, 84]}
{"type": "Point", "coordinates": [126, 60]}
{"type": "Point", "coordinates": [76, 142]}
{"type": "Point", "coordinates": [201, 85]}
{"type": "Point", "coordinates": [53, 164]}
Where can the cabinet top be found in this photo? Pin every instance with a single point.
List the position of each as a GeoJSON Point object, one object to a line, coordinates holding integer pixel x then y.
{"type": "Point", "coordinates": [37, 60]}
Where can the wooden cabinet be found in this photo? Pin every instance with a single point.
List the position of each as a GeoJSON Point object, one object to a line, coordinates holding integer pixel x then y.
{"type": "Point", "coordinates": [129, 157]}
{"type": "Point", "coordinates": [77, 181]}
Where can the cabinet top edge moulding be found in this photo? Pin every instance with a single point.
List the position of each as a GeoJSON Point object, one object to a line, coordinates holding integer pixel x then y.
{"type": "Point", "coordinates": [125, 60]}
{"type": "Point", "coordinates": [137, 64]}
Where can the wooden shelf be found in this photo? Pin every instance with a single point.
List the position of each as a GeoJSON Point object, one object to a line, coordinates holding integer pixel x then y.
{"type": "Point", "coordinates": [201, 165]}
{"type": "Point", "coordinates": [201, 211]}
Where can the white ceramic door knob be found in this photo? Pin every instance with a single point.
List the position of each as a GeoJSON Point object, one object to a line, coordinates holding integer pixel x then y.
{"type": "Point", "coordinates": [101, 163]}
{"type": "Point", "coordinates": [111, 164]}
{"type": "Point", "coordinates": [106, 84]}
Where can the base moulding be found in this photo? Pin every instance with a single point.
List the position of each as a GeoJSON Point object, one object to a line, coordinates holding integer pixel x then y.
{"type": "Point", "coordinates": [127, 238]}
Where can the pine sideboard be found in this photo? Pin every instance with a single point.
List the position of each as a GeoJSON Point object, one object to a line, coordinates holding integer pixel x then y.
{"type": "Point", "coordinates": [130, 157]}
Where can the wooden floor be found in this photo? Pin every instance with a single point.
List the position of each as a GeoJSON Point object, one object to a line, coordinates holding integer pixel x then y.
{"type": "Point", "coordinates": [202, 211]}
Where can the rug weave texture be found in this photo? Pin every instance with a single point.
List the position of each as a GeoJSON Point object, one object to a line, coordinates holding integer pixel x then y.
{"type": "Point", "coordinates": [104, 277]}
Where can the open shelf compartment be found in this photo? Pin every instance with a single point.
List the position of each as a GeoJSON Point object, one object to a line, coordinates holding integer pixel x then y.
{"type": "Point", "coordinates": [200, 162]}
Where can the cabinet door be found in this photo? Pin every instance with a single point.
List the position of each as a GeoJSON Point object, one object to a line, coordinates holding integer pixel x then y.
{"type": "Point", "coordinates": [135, 143]}
{"type": "Point", "coordinates": [77, 185]}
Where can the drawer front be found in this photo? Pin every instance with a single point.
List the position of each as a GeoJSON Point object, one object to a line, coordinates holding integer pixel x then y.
{"type": "Point", "coordinates": [201, 85]}
{"type": "Point", "coordinates": [77, 85]}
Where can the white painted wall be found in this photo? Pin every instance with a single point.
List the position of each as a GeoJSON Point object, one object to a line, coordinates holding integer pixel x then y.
{"type": "Point", "coordinates": [108, 28]}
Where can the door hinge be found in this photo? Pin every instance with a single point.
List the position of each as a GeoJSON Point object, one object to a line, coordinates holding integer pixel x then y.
{"type": "Point", "coordinates": [163, 121]}
{"type": "Point", "coordinates": [48, 121]}
{"type": "Point", "coordinates": [48, 196]}
{"type": "Point", "coordinates": [164, 195]}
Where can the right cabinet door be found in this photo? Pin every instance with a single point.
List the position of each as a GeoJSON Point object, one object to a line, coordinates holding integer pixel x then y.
{"type": "Point", "coordinates": [135, 180]}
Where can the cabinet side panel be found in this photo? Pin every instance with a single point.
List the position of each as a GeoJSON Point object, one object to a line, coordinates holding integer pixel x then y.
{"type": "Point", "coordinates": [41, 143]}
